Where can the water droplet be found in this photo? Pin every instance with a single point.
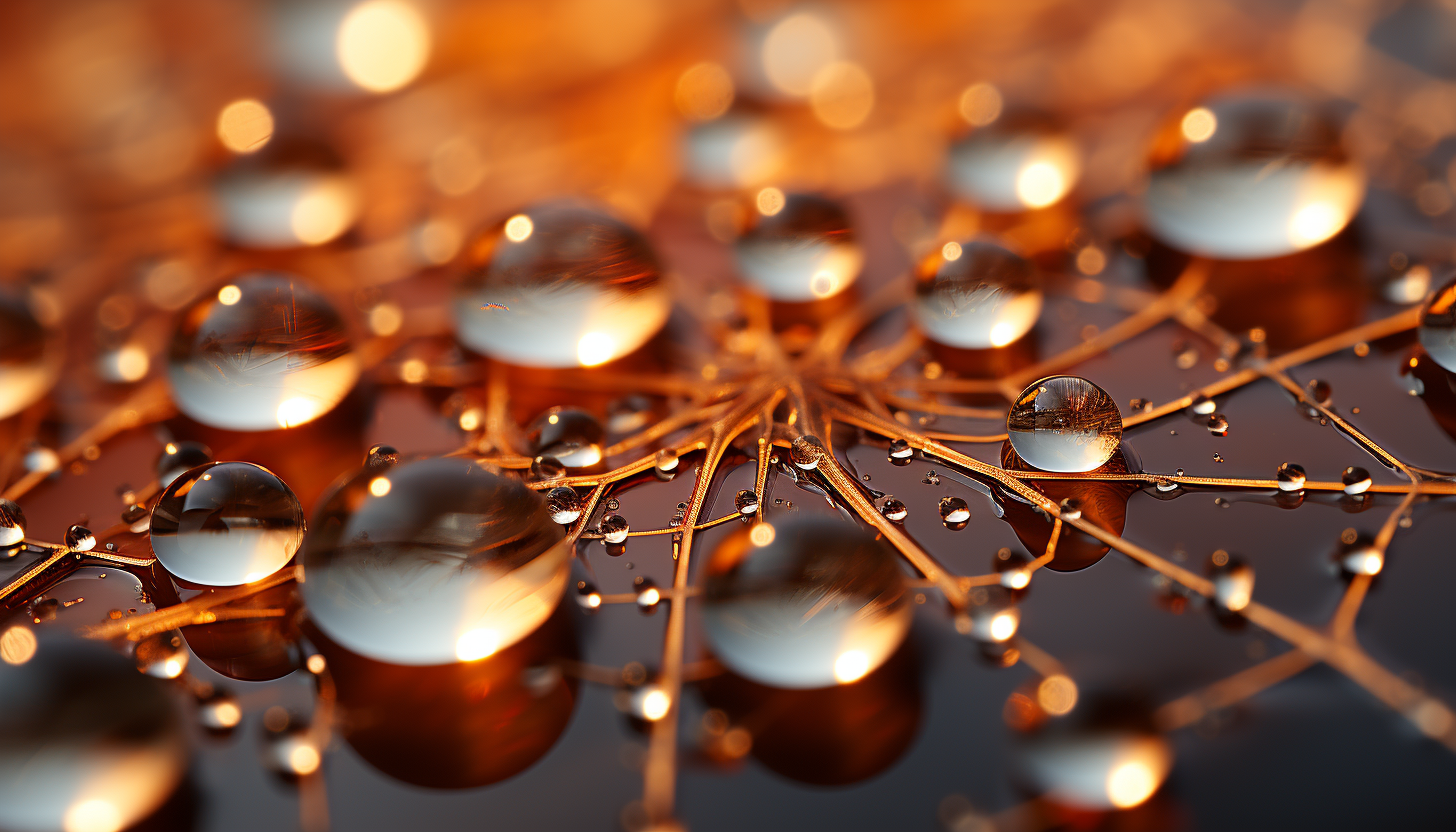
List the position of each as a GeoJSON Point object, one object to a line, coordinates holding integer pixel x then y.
{"type": "Point", "coordinates": [1356, 480]}
{"type": "Point", "coordinates": [954, 512]}
{"type": "Point", "coordinates": [900, 452]}
{"type": "Point", "coordinates": [547, 468]}
{"type": "Point", "coordinates": [1233, 584]}
{"type": "Point", "coordinates": [1319, 391]}
{"type": "Point", "coordinates": [994, 616]}
{"type": "Point", "coordinates": [289, 748]}
{"type": "Point", "coordinates": [976, 295]}
{"type": "Point", "coordinates": [1141, 405]}
{"type": "Point", "coordinates": [265, 352]}
{"type": "Point", "coordinates": [804, 251]}
{"type": "Point", "coordinates": [226, 523]}
{"type": "Point", "coordinates": [80, 539]}
{"type": "Point", "coordinates": [178, 457]}
{"type": "Point", "coordinates": [806, 452]}
{"type": "Point", "coordinates": [292, 194]}
{"type": "Point", "coordinates": [740, 148]}
{"type": "Point", "coordinates": [457, 561]}
{"type": "Point", "coordinates": [1217, 457]}
{"type": "Point", "coordinates": [1291, 477]}
{"type": "Point", "coordinates": [1437, 329]}
{"type": "Point", "coordinates": [614, 528]}
{"type": "Point", "coordinates": [1071, 509]}
{"type": "Point", "coordinates": [931, 478]}
{"type": "Point", "coordinates": [827, 603]}
{"type": "Point", "coordinates": [564, 505]}
{"type": "Point", "coordinates": [648, 595]}
{"type": "Point", "coordinates": [1019, 161]}
{"type": "Point", "coordinates": [219, 711]}
{"type": "Point", "coordinates": [746, 502]}
{"type": "Point", "coordinates": [88, 742]}
{"type": "Point", "coordinates": [570, 435]}
{"type": "Point", "coordinates": [1217, 425]}
{"type": "Point", "coordinates": [42, 460]}
{"type": "Point", "coordinates": [629, 414]}
{"type": "Point", "coordinates": [588, 596]}
{"type": "Point", "coordinates": [1203, 405]}
{"type": "Point", "coordinates": [613, 504]}
{"type": "Point", "coordinates": [560, 285]}
{"type": "Point", "coordinates": [30, 355]}
{"type": "Point", "coordinates": [894, 510]}
{"type": "Point", "coordinates": [1166, 485]}
{"type": "Point", "coordinates": [12, 524]}
{"type": "Point", "coordinates": [665, 464]}
{"type": "Point", "coordinates": [162, 655]}
{"type": "Point", "coordinates": [380, 457]}
{"type": "Point", "coordinates": [1064, 423]}
{"type": "Point", "coordinates": [1104, 755]}
{"type": "Point", "coordinates": [1268, 177]}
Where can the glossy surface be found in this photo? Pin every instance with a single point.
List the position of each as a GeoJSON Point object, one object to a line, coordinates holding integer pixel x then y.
{"type": "Point", "coordinates": [226, 523]}
{"type": "Point", "coordinates": [798, 247]}
{"type": "Point", "coordinates": [1064, 423]}
{"type": "Point", "coordinates": [976, 295]}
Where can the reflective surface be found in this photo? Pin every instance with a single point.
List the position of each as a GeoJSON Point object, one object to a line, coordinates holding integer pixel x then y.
{"type": "Point", "coordinates": [226, 523]}
{"type": "Point", "coordinates": [1019, 161]}
{"type": "Point", "coordinates": [798, 247]}
{"type": "Point", "coordinates": [976, 295]}
{"type": "Point", "coordinates": [1064, 423]}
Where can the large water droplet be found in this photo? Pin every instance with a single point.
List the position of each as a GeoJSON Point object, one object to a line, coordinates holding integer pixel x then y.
{"type": "Point", "coordinates": [820, 603]}
{"type": "Point", "coordinates": [30, 355]}
{"type": "Point", "coordinates": [264, 352]}
{"type": "Point", "coordinates": [293, 194]}
{"type": "Point", "coordinates": [12, 524]}
{"type": "Point", "coordinates": [1064, 423]}
{"type": "Point", "coordinates": [570, 435]}
{"type": "Point", "coordinates": [1105, 755]}
{"type": "Point", "coordinates": [86, 742]}
{"type": "Point", "coordinates": [454, 562]}
{"type": "Point", "coordinates": [894, 510]}
{"type": "Point", "coordinates": [798, 248]}
{"type": "Point", "coordinates": [1249, 176]}
{"type": "Point", "coordinates": [1437, 329]}
{"type": "Point", "coordinates": [1019, 161]}
{"type": "Point", "coordinates": [976, 295]}
{"type": "Point", "coordinates": [564, 505]}
{"type": "Point", "coordinates": [560, 285]}
{"type": "Point", "coordinates": [900, 452]}
{"type": "Point", "coordinates": [226, 523]}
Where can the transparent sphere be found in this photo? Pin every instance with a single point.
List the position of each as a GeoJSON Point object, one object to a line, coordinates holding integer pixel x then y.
{"type": "Point", "coordinates": [262, 353]}
{"type": "Point", "coordinates": [226, 523]}
{"type": "Point", "coordinates": [1437, 329]}
{"type": "Point", "coordinates": [1015, 163]}
{"type": "Point", "coordinates": [1064, 423]}
{"type": "Point", "coordinates": [30, 355]}
{"type": "Point", "coordinates": [569, 435]}
{"type": "Point", "coordinates": [290, 195]}
{"type": "Point", "coordinates": [560, 285]}
{"type": "Point", "coordinates": [86, 742]}
{"type": "Point", "coordinates": [1253, 175]}
{"type": "Point", "coordinates": [1106, 755]}
{"type": "Point", "coordinates": [820, 603]}
{"type": "Point", "coordinates": [976, 295]}
{"type": "Point", "coordinates": [432, 561]}
{"type": "Point", "coordinates": [798, 247]}
{"type": "Point", "coordinates": [739, 149]}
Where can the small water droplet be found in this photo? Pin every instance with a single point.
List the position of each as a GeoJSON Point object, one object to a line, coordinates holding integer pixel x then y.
{"type": "Point", "coordinates": [1141, 405]}
{"type": "Point", "coordinates": [613, 504]}
{"type": "Point", "coordinates": [806, 452]}
{"type": "Point", "coordinates": [1319, 391]}
{"type": "Point", "coordinates": [80, 539]}
{"type": "Point", "coordinates": [1071, 509]}
{"type": "Point", "coordinates": [894, 510]}
{"type": "Point", "coordinates": [162, 655]}
{"type": "Point", "coordinates": [547, 468]}
{"type": "Point", "coordinates": [665, 464]}
{"type": "Point", "coordinates": [1203, 405]}
{"type": "Point", "coordinates": [564, 505]}
{"type": "Point", "coordinates": [746, 502]}
{"type": "Point", "coordinates": [219, 711]}
{"type": "Point", "coordinates": [954, 512]}
{"type": "Point", "coordinates": [588, 596]}
{"type": "Point", "coordinates": [931, 478]}
{"type": "Point", "coordinates": [1218, 425]}
{"type": "Point", "coordinates": [1355, 480]}
{"type": "Point", "coordinates": [614, 528]}
{"type": "Point", "coordinates": [1290, 477]}
{"type": "Point", "coordinates": [571, 435]}
{"type": "Point", "coordinates": [1233, 582]}
{"type": "Point", "coordinates": [380, 457]}
{"type": "Point", "coordinates": [900, 452]}
{"type": "Point", "coordinates": [1217, 457]}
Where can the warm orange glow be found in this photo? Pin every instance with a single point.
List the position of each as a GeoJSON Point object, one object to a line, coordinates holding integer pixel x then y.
{"type": "Point", "coordinates": [1057, 694]}
{"type": "Point", "coordinates": [229, 295]}
{"type": "Point", "coordinates": [519, 228]}
{"type": "Point", "coordinates": [794, 51]}
{"type": "Point", "coordinates": [1199, 125]}
{"type": "Point", "coordinates": [17, 645]}
{"type": "Point", "coordinates": [382, 44]}
{"type": "Point", "coordinates": [1315, 223]}
{"type": "Point", "coordinates": [244, 126]}
{"type": "Point", "coordinates": [92, 816]}
{"type": "Point", "coordinates": [1130, 784]}
{"type": "Point", "coordinates": [595, 348]}
{"type": "Point", "coordinates": [323, 211]}
{"type": "Point", "coordinates": [132, 363]}
{"type": "Point", "coordinates": [761, 535]}
{"type": "Point", "coordinates": [653, 704]}
{"type": "Point", "coordinates": [1003, 626]}
{"type": "Point", "coordinates": [316, 664]}
{"type": "Point", "coordinates": [385, 319]}
{"type": "Point", "coordinates": [1040, 184]}
{"type": "Point", "coordinates": [770, 201]}
{"type": "Point", "coordinates": [304, 759]}
{"type": "Point", "coordinates": [951, 251]}
{"type": "Point", "coordinates": [980, 104]}
{"type": "Point", "coordinates": [379, 486]}
{"type": "Point", "coordinates": [842, 95]}
{"type": "Point", "coordinates": [704, 91]}
{"type": "Point", "coordinates": [851, 666]}
{"type": "Point", "coordinates": [298, 410]}
{"type": "Point", "coordinates": [414, 371]}
{"type": "Point", "coordinates": [477, 644]}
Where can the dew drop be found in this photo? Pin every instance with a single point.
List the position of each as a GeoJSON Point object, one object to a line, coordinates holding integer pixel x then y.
{"type": "Point", "coordinates": [614, 528]}
{"type": "Point", "coordinates": [806, 452]}
{"type": "Point", "coordinates": [162, 655]}
{"type": "Point", "coordinates": [894, 510]}
{"type": "Point", "coordinates": [80, 539]}
{"type": "Point", "coordinates": [1291, 477]}
{"type": "Point", "coordinates": [1105, 755]}
{"type": "Point", "coordinates": [803, 251]}
{"type": "Point", "coordinates": [1233, 584]}
{"type": "Point", "coordinates": [954, 512]}
{"type": "Point", "coordinates": [1355, 480]}
{"type": "Point", "coordinates": [225, 524]}
{"type": "Point", "coordinates": [665, 464]}
{"type": "Point", "coordinates": [1019, 161]}
{"type": "Point", "coordinates": [380, 457]}
{"type": "Point", "coordinates": [1319, 391]}
{"type": "Point", "coordinates": [1203, 405]}
{"type": "Point", "coordinates": [976, 295]}
{"type": "Point", "coordinates": [588, 596]}
{"type": "Point", "coordinates": [900, 452]}
{"type": "Point", "coordinates": [1071, 509]}
{"type": "Point", "coordinates": [1217, 425]}
{"type": "Point", "coordinates": [1064, 423]}
{"type": "Point", "coordinates": [219, 711]}
{"type": "Point", "coordinates": [746, 502]}
{"type": "Point", "coordinates": [547, 468]}
{"type": "Point", "coordinates": [12, 524]}
{"type": "Point", "coordinates": [564, 505]}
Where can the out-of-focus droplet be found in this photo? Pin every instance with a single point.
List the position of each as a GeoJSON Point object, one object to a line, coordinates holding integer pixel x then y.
{"type": "Point", "coordinates": [1437, 329]}
{"type": "Point", "coordinates": [954, 512]}
{"type": "Point", "coordinates": [1363, 560]}
{"type": "Point", "coordinates": [665, 464]}
{"type": "Point", "coordinates": [821, 603]}
{"type": "Point", "coordinates": [738, 150]}
{"type": "Point", "coordinates": [1064, 423]}
{"type": "Point", "coordinates": [894, 510]}
{"type": "Point", "coordinates": [980, 104]}
{"type": "Point", "coordinates": [704, 92]}
{"type": "Point", "coordinates": [1265, 174]}
{"type": "Point", "coordinates": [1105, 755]}
{"type": "Point", "coordinates": [12, 524]}
{"type": "Point", "coordinates": [226, 523]}
{"type": "Point", "coordinates": [547, 468]}
{"type": "Point", "coordinates": [806, 451]}
{"type": "Point", "coordinates": [976, 295]}
{"type": "Point", "coordinates": [629, 414]}
{"type": "Point", "coordinates": [570, 435]}
{"type": "Point", "coordinates": [123, 364]}
{"type": "Point", "coordinates": [650, 702]}
{"type": "Point", "coordinates": [290, 750]}
{"type": "Point", "coordinates": [746, 502]}
{"type": "Point", "coordinates": [245, 125]}
{"type": "Point", "coordinates": [380, 457]}
{"type": "Point", "coordinates": [1233, 584]}
{"type": "Point", "coordinates": [614, 528]}
{"type": "Point", "coordinates": [1290, 477]}
{"type": "Point", "coordinates": [30, 355]}
{"type": "Point", "coordinates": [564, 505]}
{"type": "Point", "coordinates": [995, 618]}
{"type": "Point", "coordinates": [1203, 405]}
{"type": "Point", "coordinates": [80, 539]}
{"type": "Point", "coordinates": [842, 95]}
{"type": "Point", "coordinates": [1217, 424]}
{"type": "Point", "coordinates": [588, 596]}
{"type": "Point", "coordinates": [793, 50]}
{"type": "Point", "coordinates": [265, 352]}
{"type": "Point", "coordinates": [286, 197]}
{"type": "Point", "coordinates": [1071, 509]}
{"type": "Point", "coordinates": [1355, 480]}
{"type": "Point", "coordinates": [454, 563]}
{"type": "Point", "coordinates": [42, 460]}
{"type": "Point", "coordinates": [648, 595]}
{"type": "Point", "coordinates": [219, 711]}
{"type": "Point", "coordinates": [900, 452]}
{"type": "Point", "coordinates": [377, 46]}
{"type": "Point", "coordinates": [560, 285]}
{"type": "Point", "coordinates": [1014, 163]}
{"type": "Point", "coordinates": [162, 655]}
{"type": "Point", "coordinates": [1320, 391]}
{"type": "Point", "coordinates": [802, 248]}
{"type": "Point", "coordinates": [86, 742]}
{"type": "Point", "coordinates": [179, 457]}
